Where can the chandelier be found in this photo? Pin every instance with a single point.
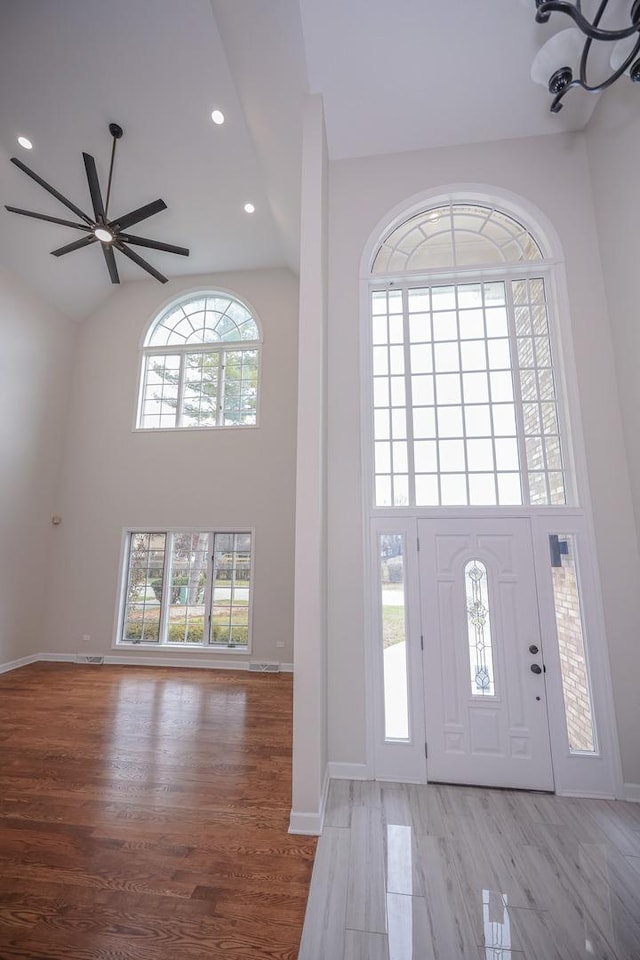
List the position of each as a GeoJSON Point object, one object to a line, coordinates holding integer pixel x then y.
{"type": "Point", "coordinates": [566, 59]}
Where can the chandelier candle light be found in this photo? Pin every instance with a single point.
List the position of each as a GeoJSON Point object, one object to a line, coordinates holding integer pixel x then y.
{"type": "Point", "coordinates": [563, 61]}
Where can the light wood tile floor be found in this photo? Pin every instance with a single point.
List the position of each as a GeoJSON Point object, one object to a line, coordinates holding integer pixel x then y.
{"type": "Point", "coordinates": [436, 872]}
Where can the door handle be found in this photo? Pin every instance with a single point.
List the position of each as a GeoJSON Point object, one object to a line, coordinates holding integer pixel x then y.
{"type": "Point", "coordinates": [533, 648]}
{"type": "Point", "coordinates": [536, 668]}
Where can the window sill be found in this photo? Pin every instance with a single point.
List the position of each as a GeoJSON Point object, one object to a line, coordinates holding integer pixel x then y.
{"type": "Point", "coordinates": [235, 426]}
{"type": "Point", "coordinates": [177, 647]}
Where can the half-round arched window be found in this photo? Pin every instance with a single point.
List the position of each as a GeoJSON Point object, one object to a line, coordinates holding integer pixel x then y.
{"type": "Point", "coordinates": [200, 364]}
{"type": "Point", "coordinates": [455, 235]}
{"type": "Point", "coordinates": [465, 399]}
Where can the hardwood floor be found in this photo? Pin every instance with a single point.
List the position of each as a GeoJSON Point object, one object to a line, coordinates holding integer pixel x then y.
{"type": "Point", "coordinates": [461, 873]}
{"type": "Point", "coordinates": [144, 815]}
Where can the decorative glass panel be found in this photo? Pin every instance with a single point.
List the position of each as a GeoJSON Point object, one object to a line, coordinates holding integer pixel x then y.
{"type": "Point", "coordinates": [394, 636]}
{"type": "Point", "coordinates": [479, 629]}
{"type": "Point", "coordinates": [455, 235]}
{"type": "Point", "coordinates": [537, 387]}
{"type": "Point", "coordinates": [573, 661]}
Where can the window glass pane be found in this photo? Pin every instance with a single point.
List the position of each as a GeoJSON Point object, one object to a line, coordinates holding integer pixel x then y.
{"type": "Point", "coordinates": [453, 490]}
{"type": "Point", "coordinates": [450, 421]}
{"type": "Point", "coordinates": [394, 636]}
{"type": "Point", "coordinates": [201, 383]}
{"type": "Point", "coordinates": [187, 585]}
{"type": "Point", "coordinates": [479, 629]}
{"type": "Point", "coordinates": [240, 392]}
{"type": "Point", "coordinates": [144, 586]}
{"type": "Point", "coordinates": [426, 457]}
{"type": "Point", "coordinates": [159, 398]}
{"type": "Point", "coordinates": [488, 356]}
{"type": "Point", "coordinates": [427, 491]}
{"type": "Point", "coordinates": [573, 661]}
{"type": "Point", "coordinates": [482, 489]}
{"type": "Point", "coordinates": [231, 589]}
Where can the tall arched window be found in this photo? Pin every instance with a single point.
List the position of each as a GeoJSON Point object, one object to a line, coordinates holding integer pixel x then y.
{"type": "Point", "coordinates": [200, 365]}
{"type": "Point", "coordinates": [465, 403]}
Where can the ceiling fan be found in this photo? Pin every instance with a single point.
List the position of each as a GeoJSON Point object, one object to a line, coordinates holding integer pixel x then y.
{"type": "Point", "coordinates": [109, 233]}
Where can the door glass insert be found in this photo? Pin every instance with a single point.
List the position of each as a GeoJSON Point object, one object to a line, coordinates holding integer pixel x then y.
{"type": "Point", "coordinates": [479, 628]}
{"type": "Point", "coordinates": [394, 635]}
{"type": "Point", "coordinates": [573, 660]}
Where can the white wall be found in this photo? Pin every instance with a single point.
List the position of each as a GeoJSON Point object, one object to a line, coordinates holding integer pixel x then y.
{"type": "Point", "coordinates": [551, 173]}
{"type": "Point", "coordinates": [114, 477]}
{"type": "Point", "coordinates": [613, 145]}
{"type": "Point", "coordinates": [35, 360]}
{"type": "Point", "coordinates": [310, 654]}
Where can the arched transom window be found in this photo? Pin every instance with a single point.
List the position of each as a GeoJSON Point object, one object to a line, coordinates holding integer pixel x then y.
{"type": "Point", "coordinates": [200, 365]}
{"type": "Point", "coordinates": [465, 405]}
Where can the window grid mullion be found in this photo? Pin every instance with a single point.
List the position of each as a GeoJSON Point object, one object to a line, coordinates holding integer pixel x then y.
{"type": "Point", "coordinates": [180, 398]}
{"type": "Point", "coordinates": [436, 426]}
{"type": "Point", "coordinates": [208, 595]}
{"type": "Point", "coordinates": [491, 419]}
{"type": "Point", "coordinates": [408, 414]}
{"type": "Point", "coordinates": [462, 404]}
{"type": "Point", "coordinates": [517, 394]}
{"type": "Point", "coordinates": [165, 603]}
{"type": "Point", "coordinates": [221, 387]}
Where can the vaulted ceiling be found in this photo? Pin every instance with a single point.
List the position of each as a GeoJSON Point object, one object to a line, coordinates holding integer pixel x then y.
{"type": "Point", "coordinates": [394, 76]}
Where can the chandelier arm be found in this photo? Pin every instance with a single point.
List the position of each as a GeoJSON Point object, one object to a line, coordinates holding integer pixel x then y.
{"type": "Point", "coordinates": [556, 105]}
{"type": "Point", "coordinates": [614, 76]}
{"type": "Point", "coordinates": [590, 30]}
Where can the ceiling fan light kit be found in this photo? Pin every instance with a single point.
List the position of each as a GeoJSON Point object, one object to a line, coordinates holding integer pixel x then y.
{"type": "Point", "coordinates": [109, 233]}
{"type": "Point", "coordinates": [567, 54]}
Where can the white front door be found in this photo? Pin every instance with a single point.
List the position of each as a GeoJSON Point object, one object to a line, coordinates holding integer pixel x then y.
{"type": "Point", "coordinates": [485, 707]}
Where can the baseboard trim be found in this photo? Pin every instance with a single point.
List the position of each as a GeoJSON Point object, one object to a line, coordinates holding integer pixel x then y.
{"type": "Point", "coordinates": [310, 824]}
{"type": "Point", "coordinates": [349, 771]}
{"type": "Point", "coordinates": [137, 661]}
{"type": "Point", "coordinates": [21, 662]}
{"type": "Point", "coordinates": [586, 794]}
{"type": "Point", "coordinates": [631, 792]}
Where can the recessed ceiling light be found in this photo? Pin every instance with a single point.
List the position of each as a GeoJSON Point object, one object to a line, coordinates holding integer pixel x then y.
{"type": "Point", "coordinates": [434, 217]}
{"type": "Point", "coordinates": [249, 208]}
{"type": "Point", "coordinates": [26, 143]}
{"type": "Point", "coordinates": [104, 236]}
{"type": "Point", "coordinates": [218, 117]}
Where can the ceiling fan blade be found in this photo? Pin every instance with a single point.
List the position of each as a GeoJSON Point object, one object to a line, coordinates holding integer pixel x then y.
{"type": "Point", "coordinates": [43, 216]}
{"type": "Point", "coordinates": [153, 244]}
{"type": "Point", "coordinates": [54, 193]}
{"type": "Point", "coordinates": [110, 259]}
{"type": "Point", "coordinates": [76, 245]}
{"type": "Point", "coordinates": [94, 186]}
{"type": "Point", "coordinates": [141, 263]}
{"type": "Point", "coordinates": [149, 209]}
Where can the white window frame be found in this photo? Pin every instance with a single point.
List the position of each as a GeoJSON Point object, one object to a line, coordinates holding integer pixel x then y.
{"type": "Point", "coordinates": [577, 774]}
{"type": "Point", "coordinates": [221, 347]}
{"type": "Point", "coordinates": [506, 273]}
{"type": "Point", "coordinates": [204, 647]}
